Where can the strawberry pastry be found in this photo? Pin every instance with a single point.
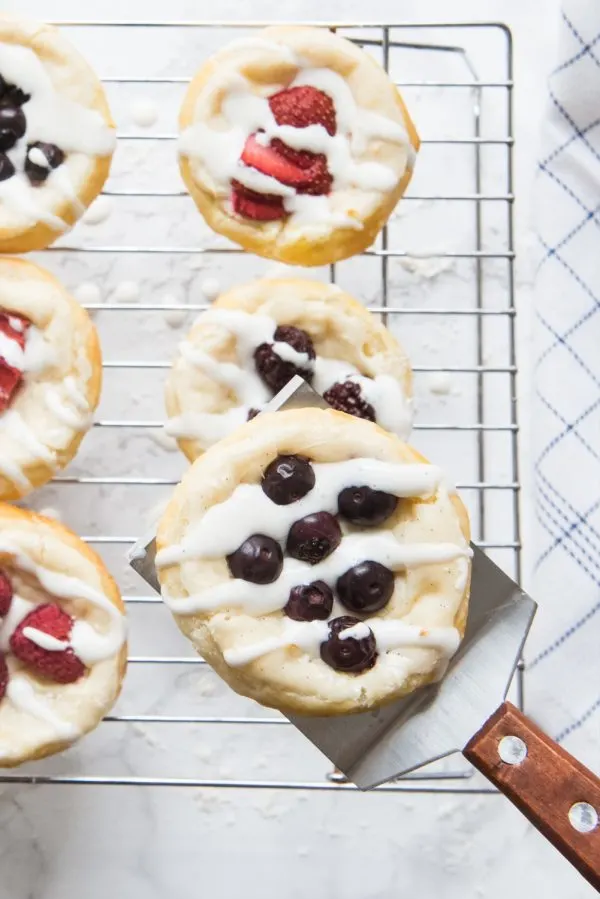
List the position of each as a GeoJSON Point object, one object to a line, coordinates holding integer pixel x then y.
{"type": "Point", "coordinates": [296, 145]}
{"type": "Point", "coordinates": [50, 375]}
{"type": "Point", "coordinates": [256, 337]}
{"type": "Point", "coordinates": [62, 637]}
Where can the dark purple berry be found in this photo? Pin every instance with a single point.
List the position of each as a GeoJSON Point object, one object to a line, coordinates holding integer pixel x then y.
{"type": "Point", "coordinates": [361, 505]}
{"type": "Point", "coordinates": [7, 169]}
{"type": "Point", "coordinates": [352, 654]}
{"type": "Point", "coordinates": [346, 397]}
{"type": "Point", "coordinates": [259, 560]}
{"type": "Point", "coordinates": [275, 371]}
{"type": "Point", "coordinates": [366, 588]}
{"type": "Point", "coordinates": [287, 479]}
{"type": "Point", "coordinates": [252, 413]}
{"type": "Point", "coordinates": [12, 126]}
{"type": "Point", "coordinates": [37, 174]}
{"type": "Point", "coordinates": [314, 537]}
{"type": "Point", "coordinates": [10, 95]}
{"type": "Point", "coordinates": [310, 602]}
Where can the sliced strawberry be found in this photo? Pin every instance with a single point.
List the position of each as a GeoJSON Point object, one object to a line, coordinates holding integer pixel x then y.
{"type": "Point", "coordinates": [62, 665]}
{"type": "Point", "coordinates": [7, 322]}
{"type": "Point", "coordinates": [3, 676]}
{"type": "Point", "coordinates": [269, 162]}
{"type": "Point", "coordinates": [6, 594]}
{"type": "Point", "coordinates": [303, 106]}
{"type": "Point", "coordinates": [258, 207]}
{"type": "Point", "coordinates": [10, 378]}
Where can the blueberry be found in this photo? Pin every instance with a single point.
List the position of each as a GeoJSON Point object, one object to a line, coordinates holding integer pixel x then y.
{"type": "Point", "coordinates": [275, 371]}
{"type": "Point", "coordinates": [352, 654]}
{"type": "Point", "coordinates": [310, 602]}
{"type": "Point", "coordinates": [259, 560]}
{"type": "Point", "coordinates": [314, 537]}
{"type": "Point", "coordinates": [10, 95]}
{"type": "Point", "coordinates": [346, 397]}
{"type": "Point", "coordinates": [287, 479]}
{"type": "Point", "coordinates": [361, 505]}
{"type": "Point", "coordinates": [366, 588]}
{"type": "Point", "coordinates": [7, 169]}
{"type": "Point", "coordinates": [37, 174]}
{"type": "Point", "coordinates": [12, 126]}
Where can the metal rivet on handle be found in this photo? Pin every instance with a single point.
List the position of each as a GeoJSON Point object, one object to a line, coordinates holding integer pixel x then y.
{"type": "Point", "coordinates": [512, 750]}
{"type": "Point", "coordinates": [583, 817]}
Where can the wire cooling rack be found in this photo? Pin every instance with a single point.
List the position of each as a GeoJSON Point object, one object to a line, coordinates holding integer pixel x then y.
{"type": "Point", "coordinates": [441, 276]}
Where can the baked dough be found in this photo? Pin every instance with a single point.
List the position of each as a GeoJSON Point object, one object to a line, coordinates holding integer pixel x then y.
{"type": "Point", "coordinates": [207, 398]}
{"type": "Point", "coordinates": [370, 150]}
{"type": "Point", "coordinates": [49, 413]}
{"type": "Point", "coordinates": [44, 562]}
{"type": "Point", "coordinates": [240, 628]}
{"type": "Point", "coordinates": [59, 154]}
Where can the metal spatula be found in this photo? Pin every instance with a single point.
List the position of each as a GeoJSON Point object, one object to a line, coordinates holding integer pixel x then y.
{"type": "Point", "coordinates": [462, 713]}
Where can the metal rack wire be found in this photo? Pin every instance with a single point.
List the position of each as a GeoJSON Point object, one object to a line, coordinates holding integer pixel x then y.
{"type": "Point", "coordinates": [489, 429]}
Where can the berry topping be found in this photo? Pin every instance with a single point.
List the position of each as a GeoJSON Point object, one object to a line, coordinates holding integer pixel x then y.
{"type": "Point", "coordinates": [269, 162]}
{"type": "Point", "coordinates": [12, 126]}
{"type": "Point", "coordinates": [346, 397]}
{"type": "Point", "coordinates": [10, 95]}
{"type": "Point", "coordinates": [53, 155]}
{"type": "Point", "coordinates": [259, 560]}
{"type": "Point", "coordinates": [258, 207]}
{"type": "Point", "coordinates": [14, 326]}
{"type": "Point", "coordinates": [6, 594]}
{"type": "Point", "coordinates": [366, 588]}
{"type": "Point", "coordinates": [361, 505]}
{"type": "Point", "coordinates": [252, 413]}
{"type": "Point", "coordinates": [10, 378]}
{"type": "Point", "coordinates": [7, 169]}
{"type": "Point", "coordinates": [314, 537]}
{"type": "Point", "coordinates": [3, 676]}
{"type": "Point", "coordinates": [275, 371]}
{"type": "Point", "coordinates": [60, 665]}
{"type": "Point", "coordinates": [350, 654]}
{"type": "Point", "coordinates": [287, 479]}
{"type": "Point", "coordinates": [303, 106]}
{"type": "Point", "coordinates": [310, 602]}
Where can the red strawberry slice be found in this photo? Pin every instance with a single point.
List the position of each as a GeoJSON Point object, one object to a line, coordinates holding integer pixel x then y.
{"type": "Point", "coordinates": [3, 676]}
{"type": "Point", "coordinates": [6, 594]}
{"type": "Point", "coordinates": [269, 162]}
{"type": "Point", "coordinates": [258, 207]}
{"type": "Point", "coordinates": [303, 106]}
{"type": "Point", "coordinates": [61, 666]}
{"type": "Point", "coordinates": [17, 334]}
{"type": "Point", "coordinates": [10, 378]}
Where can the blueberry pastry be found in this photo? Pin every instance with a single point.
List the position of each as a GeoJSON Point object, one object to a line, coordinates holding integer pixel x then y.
{"type": "Point", "coordinates": [317, 562]}
{"type": "Point", "coordinates": [56, 135]}
{"type": "Point", "coordinates": [296, 145]}
{"type": "Point", "coordinates": [256, 337]}
{"type": "Point", "coordinates": [50, 376]}
{"type": "Point", "coordinates": [62, 637]}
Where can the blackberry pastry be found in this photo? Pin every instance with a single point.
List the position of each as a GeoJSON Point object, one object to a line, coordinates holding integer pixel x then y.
{"type": "Point", "coordinates": [296, 145]}
{"type": "Point", "coordinates": [256, 337]}
{"type": "Point", "coordinates": [50, 376]}
{"type": "Point", "coordinates": [62, 637]}
{"type": "Point", "coordinates": [56, 135]}
{"type": "Point", "coordinates": [317, 562]}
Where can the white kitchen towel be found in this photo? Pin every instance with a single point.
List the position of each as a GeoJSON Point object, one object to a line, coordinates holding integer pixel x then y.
{"type": "Point", "coordinates": [563, 655]}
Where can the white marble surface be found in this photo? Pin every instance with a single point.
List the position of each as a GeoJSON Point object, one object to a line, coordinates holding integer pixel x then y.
{"type": "Point", "coordinates": [157, 842]}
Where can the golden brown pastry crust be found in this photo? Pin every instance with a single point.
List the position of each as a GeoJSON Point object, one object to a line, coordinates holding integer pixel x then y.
{"type": "Point", "coordinates": [73, 77]}
{"type": "Point", "coordinates": [322, 436]}
{"type": "Point", "coordinates": [376, 91]}
{"type": "Point", "coordinates": [46, 530]}
{"type": "Point", "coordinates": [27, 289]}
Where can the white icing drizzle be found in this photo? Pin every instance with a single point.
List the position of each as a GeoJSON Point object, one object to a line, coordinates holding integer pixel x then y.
{"type": "Point", "coordinates": [77, 418]}
{"type": "Point", "coordinates": [14, 473]}
{"type": "Point", "coordinates": [389, 634]}
{"type": "Point", "coordinates": [250, 511]}
{"type": "Point", "coordinates": [19, 609]}
{"type": "Point", "coordinates": [44, 640]}
{"type": "Point", "coordinates": [51, 118]}
{"type": "Point", "coordinates": [21, 693]}
{"type": "Point", "coordinates": [13, 424]}
{"type": "Point", "coordinates": [11, 352]}
{"type": "Point", "coordinates": [393, 410]}
{"type": "Point", "coordinates": [245, 113]}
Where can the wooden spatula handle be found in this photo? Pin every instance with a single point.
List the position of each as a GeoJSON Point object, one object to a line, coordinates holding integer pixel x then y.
{"type": "Point", "coordinates": [545, 784]}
